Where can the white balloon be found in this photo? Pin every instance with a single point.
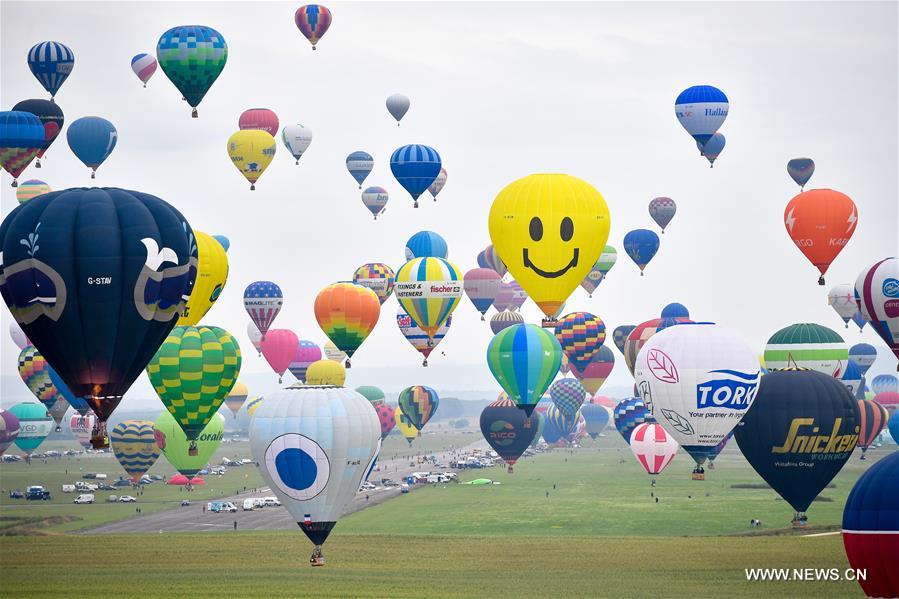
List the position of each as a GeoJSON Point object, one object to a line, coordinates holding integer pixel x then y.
{"type": "Point", "coordinates": [842, 299]}
{"type": "Point", "coordinates": [255, 336]}
{"type": "Point", "coordinates": [297, 139]}
{"type": "Point", "coordinates": [18, 335]}
{"type": "Point", "coordinates": [698, 380]}
{"type": "Point", "coordinates": [314, 446]}
{"type": "Point", "coordinates": [397, 106]}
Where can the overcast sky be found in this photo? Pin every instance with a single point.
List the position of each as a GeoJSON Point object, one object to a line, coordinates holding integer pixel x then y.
{"type": "Point", "coordinates": [501, 91]}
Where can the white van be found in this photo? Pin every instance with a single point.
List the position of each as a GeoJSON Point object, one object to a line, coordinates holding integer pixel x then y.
{"type": "Point", "coordinates": [85, 498]}
{"type": "Point", "coordinates": [249, 505]}
{"type": "Point", "coordinates": [68, 488]}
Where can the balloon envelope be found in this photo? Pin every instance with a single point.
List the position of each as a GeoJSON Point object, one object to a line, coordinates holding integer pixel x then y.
{"type": "Point", "coordinates": [807, 345]}
{"type": "Point", "coordinates": [9, 429]}
{"type": "Point", "coordinates": [662, 210]}
{"type": "Point", "coordinates": [347, 313]}
{"type": "Point", "coordinates": [820, 222]}
{"type": "Point", "coordinates": [134, 445]}
{"type": "Point", "coordinates": [51, 63]}
{"type": "Point", "coordinates": [415, 167]}
{"type": "Point", "coordinates": [628, 414]}
{"type": "Point", "coordinates": [524, 359]}
{"type": "Point", "coordinates": [877, 294]}
{"type": "Point", "coordinates": [418, 403]}
{"type": "Point", "coordinates": [313, 21]}
{"type": "Point", "coordinates": [641, 245]}
{"type": "Point", "coordinates": [192, 57]}
{"type": "Point", "coordinates": [653, 447]}
{"type": "Point", "coordinates": [701, 110]}
{"type": "Point", "coordinates": [507, 429]}
{"type": "Point", "coordinates": [35, 423]}
{"type": "Point", "coordinates": [801, 170]}
{"type": "Point", "coordinates": [188, 456]}
{"type": "Point", "coordinates": [397, 106]}
{"type": "Point", "coordinates": [262, 300]}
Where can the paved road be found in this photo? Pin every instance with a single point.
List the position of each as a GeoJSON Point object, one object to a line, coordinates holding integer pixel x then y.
{"type": "Point", "coordinates": [193, 519]}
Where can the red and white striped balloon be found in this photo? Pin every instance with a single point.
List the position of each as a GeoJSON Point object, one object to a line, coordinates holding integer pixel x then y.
{"type": "Point", "coordinates": [82, 428]}
{"type": "Point", "coordinates": [653, 447]}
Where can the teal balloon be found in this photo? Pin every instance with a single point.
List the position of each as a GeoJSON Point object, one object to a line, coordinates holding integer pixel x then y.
{"type": "Point", "coordinates": [35, 423]}
{"type": "Point", "coordinates": [524, 359]}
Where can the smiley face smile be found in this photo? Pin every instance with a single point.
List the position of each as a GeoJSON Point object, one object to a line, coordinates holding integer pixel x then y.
{"type": "Point", "coordinates": [553, 274]}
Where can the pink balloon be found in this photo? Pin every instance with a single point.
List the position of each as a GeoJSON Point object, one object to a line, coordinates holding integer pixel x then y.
{"type": "Point", "coordinates": [259, 118]}
{"type": "Point", "coordinates": [279, 348]}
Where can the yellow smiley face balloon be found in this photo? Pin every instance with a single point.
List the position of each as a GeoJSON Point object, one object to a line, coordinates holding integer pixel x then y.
{"type": "Point", "coordinates": [549, 230]}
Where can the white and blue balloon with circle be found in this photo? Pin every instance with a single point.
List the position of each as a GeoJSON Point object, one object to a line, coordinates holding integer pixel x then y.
{"type": "Point", "coordinates": [314, 446]}
{"type": "Point", "coordinates": [701, 110]}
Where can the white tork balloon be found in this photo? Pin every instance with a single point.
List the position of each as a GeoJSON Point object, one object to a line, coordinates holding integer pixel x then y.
{"type": "Point", "coordinates": [314, 446]}
{"type": "Point", "coordinates": [698, 380]}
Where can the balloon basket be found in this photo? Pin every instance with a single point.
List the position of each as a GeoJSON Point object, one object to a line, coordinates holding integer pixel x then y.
{"type": "Point", "coordinates": [799, 522]}
{"type": "Point", "coordinates": [38, 163]}
{"type": "Point", "coordinates": [194, 114]}
{"type": "Point", "coordinates": [58, 429]}
{"type": "Point", "coordinates": [698, 476]}
{"type": "Point", "coordinates": [15, 183]}
{"type": "Point", "coordinates": [425, 363]}
{"type": "Point", "coordinates": [347, 363]}
{"type": "Point", "coordinates": [317, 559]}
{"type": "Point", "coordinates": [192, 449]}
{"type": "Point", "coordinates": [416, 204]}
{"type": "Point", "coordinates": [821, 280]}
{"type": "Point", "coordinates": [549, 323]}
{"type": "Point", "coordinates": [510, 470]}
{"type": "Point", "coordinates": [93, 174]}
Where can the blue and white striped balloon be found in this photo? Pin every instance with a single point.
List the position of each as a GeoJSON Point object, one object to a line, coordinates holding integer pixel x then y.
{"type": "Point", "coordinates": [51, 63]}
{"type": "Point", "coordinates": [701, 110]}
{"type": "Point", "coordinates": [359, 164]}
{"type": "Point", "coordinates": [415, 167]}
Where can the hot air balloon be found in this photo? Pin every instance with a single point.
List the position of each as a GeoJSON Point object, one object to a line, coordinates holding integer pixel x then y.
{"type": "Point", "coordinates": [18, 335]}
{"type": "Point", "coordinates": [549, 231]}
{"type": "Point", "coordinates": [662, 210]}
{"type": "Point", "coordinates": [188, 455]}
{"type": "Point", "coordinates": [376, 276]}
{"type": "Point", "coordinates": [212, 274]}
{"type": "Point", "coordinates": [51, 63]}
{"type": "Point", "coordinates": [642, 333]}
{"type": "Point", "coordinates": [820, 222]}
{"type": "Point", "coordinates": [253, 404]}
{"type": "Point", "coordinates": [78, 403]}
{"type": "Point", "coordinates": [415, 167]}
{"type": "Point", "coordinates": [568, 396]}
{"type": "Point", "coordinates": [262, 119]}
{"type": "Point", "coordinates": [481, 285]}
{"type": "Point", "coordinates": [51, 117]}
{"type": "Point", "coordinates": [306, 354]}
{"type": "Point", "coordinates": [134, 445]}
{"type": "Point", "coordinates": [630, 413]}
{"type": "Point", "coordinates": [417, 337]}
{"type": "Point", "coordinates": [599, 271]}
{"type": "Point", "coordinates": [842, 299]}
{"type": "Point", "coordinates": [418, 403]}
{"type": "Point", "coordinates": [314, 446]}
{"type": "Point", "coordinates": [519, 295]}
{"type": "Point", "coordinates": [877, 295]}
{"type": "Point", "coordinates": [859, 320]}
{"type": "Point", "coordinates": [144, 66]}
{"type": "Point", "coordinates": [142, 264]}
{"type": "Point", "coordinates": [297, 139]}
{"type": "Point", "coordinates": [92, 139]}
{"type": "Point", "coordinates": [236, 397]}
{"type": "Point", "coordinates": [524, 359]}
{"type": "Point", "coordinates": [332, 352]}
{"type": "Point", "coordinates": [864, 355]}
{"type": "Point", "coordinates": [560, 425]}
{"type": "Point", "coordinates": [580, 334]}
{"type": "Point", "coordinates": [387, 418]}
{"type": "Point", "coordinates": [885, 383]}
{"type": "Point", "coordinates": [437, 186]}
{"type": "Point", "coordinates": [262, 300]}
{"type": "Point", "coordinates": [597, 370]}
{"type": "Point", "coordinates": [504, 319]}
{"type": "Point", "coordinates": [9, 429]}
{"type": "Point", "coordinates": [807, 345]}
{"type": "Point", "coordinates": [313, 21]}
{"type": "Point", "coordinates": [31, 189]}
{"type": "Point", "coordinates": [192, 57]}
{"type": "Point", "coordinates": [653, 447]}
{"type": "Point", "coordinates": [711, 149]}
{"type": "Point", "coordinates": [255, 337]}
{"type": "Point", "coordinates": [35, 373]}
{"type": "Point", "coordinates": [21, 137]}
{"type": "Point", "coordinates": [325, 373]}
{"type": "Point", "coordinates": [801, 170]}
{"type": "Point", "coordinates": [397, 106]}
{"type": "Point", "coordinates": [359, 164]}
{"type": "Point", "coordinates": [193, 372]}
{"type": "Point", "coordinates": [82, 428]}
{"type": "Point", "coordinates": [375, 199]}
{"type": "Point", "coordinates": [504, 297]}
{"type": "Point", "coordinates": [429, 289]}
{"type": "Point", "coordinates": [641, 245]}
{"type": "Point", "coordinates": [873, 417]}
{"type": "Point", "coordinates": [508, 430]}
{"type": "Point", "coordinates": [701, 110]}
{"type": "Point", "coordinates": [489, 258]}
{"type": "Point", "coordinates": [279, 347]}
{"type": "Point", "coordinates": [35, 424]}
{"type": "Point", "coordinates": [675, 310]}
{"type": "Point", "coordinates": [251, 151]}
{"type": "Point", "coordinates": [596, 418]}
{"type": "Point", "coordinates": [698, 380]}
{"type": "Point", "coordinates": [373, 394]}
{"type": "Point", "coordinates": [801, 429]}
{"type": "Point", "coordinates": [347, 313]}
{"type": "Point", "coordinates": [620, 334]}
{"type": "Point", "coordinates": [852, 378]}
{"type": "Point", "coordinates": [871, 528]}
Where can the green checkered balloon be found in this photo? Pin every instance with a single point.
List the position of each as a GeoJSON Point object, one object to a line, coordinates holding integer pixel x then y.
{"type": "Point", "coordinates": [192, 57]}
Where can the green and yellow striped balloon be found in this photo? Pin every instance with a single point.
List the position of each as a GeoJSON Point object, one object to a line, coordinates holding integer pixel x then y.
{"type": "Point", "coordinates": [524, 359]}
{"type": "Point", "coordinates": [193, 372]}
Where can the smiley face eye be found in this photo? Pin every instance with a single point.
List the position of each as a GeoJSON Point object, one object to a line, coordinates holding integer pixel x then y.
{"type": "Point", "coordinates": [566, 229]}
{"type": "Point", "coordinates": [536, 229]}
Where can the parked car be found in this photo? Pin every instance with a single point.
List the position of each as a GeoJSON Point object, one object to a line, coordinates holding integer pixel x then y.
{"type": "Point", "coordinates": [16, 495]}
{"type": "Point", "coordinates": [271, 501]}
{"type": "Point", "coordinates": [367, 486]}
{"type": "Point", "coordinates": [84, 498]}
{"type": "Point", "coordinates": [185, 502]}
{"type": "Point", "coordinates": [404, 488]}
{"type": "Point", "coordinates": [106, 487]}
{"type": "Point", "coordinates": [112, 499]}
{"type": "Point", "coordinates": [89, 476]}
{"type": "Point", "coordinates": [127, 499]}
{"type": "Point", "coordinates": [68, 488]}
{"type": "Point", "coordinates": [37, 493]}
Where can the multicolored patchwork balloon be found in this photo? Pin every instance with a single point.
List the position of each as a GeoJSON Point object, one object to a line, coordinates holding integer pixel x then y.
{"type": "Point", "coordinates": [630, 413]}
{"type": "Point", "coordinates": [347, 313]}
{"type": "Point", "coordinates": [313, 21]}
{"type": "Point", "coordinates": [580, 334]}
{"type": "Point", "coordinates": [568, 395]}
{"type": "Point", "coordinates": [192, 57]}
{"type": "Point", "coordinates": [378, 277]}
{"type": "Point", "coordinates": [419, 404]}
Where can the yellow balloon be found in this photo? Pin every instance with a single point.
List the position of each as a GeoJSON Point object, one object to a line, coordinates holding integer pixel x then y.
{"type": "Point", "coordinates": [251, 151]}
{"type": "Point", "coordinates": [212, 273]}
{"type": "Point", "coordinates": [325, 372]}
{"type": "Point", "coordinates": [549, 230]}
{"type": "Point", "coordinates": [405, 426]}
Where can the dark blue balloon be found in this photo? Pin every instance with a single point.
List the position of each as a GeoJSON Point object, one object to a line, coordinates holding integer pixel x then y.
{"type": "Point", "coordinates": [51, 117]}
{"type": "Point", "coordinates": [92, 140]}
{"type": "Point", "coordinates": [641, 245]}
{"type": "Point", "coordinates": [596, 418]}
{"type": "Point", "coordinates": [675, 310]}
{"type": "Point", "coordinates": [415, 167]}
{"type": "Point", "coordinates": [96, 278]}
{"type": "Point", "coordinates": [51, 63]}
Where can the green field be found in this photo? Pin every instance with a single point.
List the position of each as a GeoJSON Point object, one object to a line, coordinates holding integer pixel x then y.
{"type": "Point", "coordinates": [599, 532]}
